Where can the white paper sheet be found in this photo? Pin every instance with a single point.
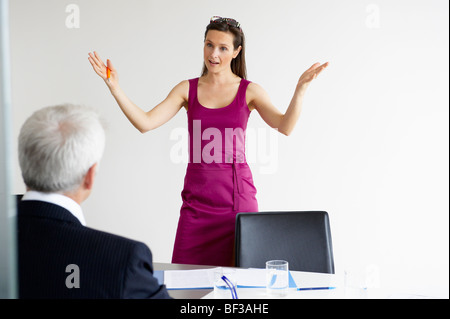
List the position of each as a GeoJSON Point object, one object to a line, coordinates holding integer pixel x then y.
{"type": "Point", "coordinates": [189, 279]}
{"type": "Point", "coordinates": [203, 278]}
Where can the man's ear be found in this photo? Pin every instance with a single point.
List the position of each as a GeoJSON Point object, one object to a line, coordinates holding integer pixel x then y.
{"type": "Point", "coordinates": [90, 177]}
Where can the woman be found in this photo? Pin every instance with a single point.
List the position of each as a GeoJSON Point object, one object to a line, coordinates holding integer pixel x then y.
{"type": "Point", "coordinates": [218, 182]}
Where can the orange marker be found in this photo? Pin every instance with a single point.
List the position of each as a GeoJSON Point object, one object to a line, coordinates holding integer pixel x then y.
{"type": "Point", "coordinates": [108, 73]}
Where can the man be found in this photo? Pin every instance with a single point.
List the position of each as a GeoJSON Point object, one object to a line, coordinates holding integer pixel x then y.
{"type": "Point", "coordinates": [60, 148]}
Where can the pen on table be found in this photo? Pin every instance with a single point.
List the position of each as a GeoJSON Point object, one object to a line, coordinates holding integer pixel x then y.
{"type": "Point", "coordinates": [231, 286]}
{"type": "Point", "coordinates": [316, 288]}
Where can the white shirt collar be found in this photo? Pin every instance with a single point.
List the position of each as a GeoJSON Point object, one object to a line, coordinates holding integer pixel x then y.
{"type": "Point", "coordinates": [59, 200]}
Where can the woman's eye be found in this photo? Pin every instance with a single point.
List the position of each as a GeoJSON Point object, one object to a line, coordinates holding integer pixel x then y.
{"type": "Point", "coordinates": [223, 48]}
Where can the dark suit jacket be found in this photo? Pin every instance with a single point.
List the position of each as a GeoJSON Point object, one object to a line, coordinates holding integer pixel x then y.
{"type": "Point", "coordinates": [109, 266]}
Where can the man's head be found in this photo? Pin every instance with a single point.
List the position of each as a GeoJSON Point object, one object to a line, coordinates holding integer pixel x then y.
{"type": "Point", "coordinates": [59, 147]}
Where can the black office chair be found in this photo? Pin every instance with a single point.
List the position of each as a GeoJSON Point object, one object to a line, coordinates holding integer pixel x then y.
{"type": "Point", "coordinates": [301, 238]}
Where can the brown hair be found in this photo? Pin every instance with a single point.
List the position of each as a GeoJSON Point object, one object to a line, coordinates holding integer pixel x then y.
{"type": "Point", "coordinates": [238, 66]}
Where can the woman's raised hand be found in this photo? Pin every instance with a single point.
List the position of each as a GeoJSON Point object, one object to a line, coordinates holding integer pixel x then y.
{"type": "Point", "coordinates": [311, 74]}
{"type": "Point", "coordinates": [102, 70]}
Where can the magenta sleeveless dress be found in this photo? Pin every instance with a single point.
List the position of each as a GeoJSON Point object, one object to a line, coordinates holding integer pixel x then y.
{"type": "Point", "coordinates": [218, 182]}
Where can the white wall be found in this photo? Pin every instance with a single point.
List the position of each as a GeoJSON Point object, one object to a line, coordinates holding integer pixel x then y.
{"type": "Point", "coordinates": [371, 146]}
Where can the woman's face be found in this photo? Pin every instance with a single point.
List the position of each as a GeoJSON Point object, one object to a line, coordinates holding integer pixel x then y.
{"type": "Point", "coordinates": [218, 51]}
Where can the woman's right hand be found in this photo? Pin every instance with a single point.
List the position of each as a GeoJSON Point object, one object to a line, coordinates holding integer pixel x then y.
{"type": "Point", "coordinates": [101, 69]}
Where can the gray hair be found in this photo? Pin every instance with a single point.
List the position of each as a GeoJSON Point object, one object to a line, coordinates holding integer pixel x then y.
{"type": "Point", "coordinates": [57, 146]}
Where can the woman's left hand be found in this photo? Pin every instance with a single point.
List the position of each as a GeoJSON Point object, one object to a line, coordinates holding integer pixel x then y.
{"type": "Point", "coordinates": [311, 74]}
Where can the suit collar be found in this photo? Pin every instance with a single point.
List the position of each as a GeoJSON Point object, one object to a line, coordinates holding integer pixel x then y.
{"type": "Point", "coordinates": [57, 199]}
{"type": "Point", "coordinates": [40, 209]}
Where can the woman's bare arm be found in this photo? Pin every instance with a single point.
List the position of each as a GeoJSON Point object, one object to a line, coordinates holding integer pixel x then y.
{"type": "Point", "coordinates": [144, 121]}
{"type": "Point", "coordinates": [286, 122]}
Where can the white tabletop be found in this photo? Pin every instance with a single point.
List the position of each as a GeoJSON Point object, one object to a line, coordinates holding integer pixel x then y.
{"type": "Point", "coordinates": [344, 287]}
{"type": "Point", "coordinates": [303, 280]}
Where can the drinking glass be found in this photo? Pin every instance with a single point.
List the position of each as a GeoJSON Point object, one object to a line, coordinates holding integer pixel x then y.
{"type": "Point", "coordinates": [277, 277]}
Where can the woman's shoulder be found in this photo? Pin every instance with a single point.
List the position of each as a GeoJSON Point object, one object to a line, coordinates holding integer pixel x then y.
{"type": "Point", "coordinates": [182, 86]}
{"type": "Point", "coordinates": [256, 95]}
{"type": "Point", "coordinates": [181, 90]}
{"type": "Point", "coordinates": [184, 82]}
{"type": "Point", "coordinates": [255, 88]}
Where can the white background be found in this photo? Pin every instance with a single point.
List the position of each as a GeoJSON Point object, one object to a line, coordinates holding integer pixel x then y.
{"type": "Point", "coordinates": [370, 147]}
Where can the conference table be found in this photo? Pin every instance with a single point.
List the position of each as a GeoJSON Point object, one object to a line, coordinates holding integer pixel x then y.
{"type": "Point", "coordinates": [303, 280]}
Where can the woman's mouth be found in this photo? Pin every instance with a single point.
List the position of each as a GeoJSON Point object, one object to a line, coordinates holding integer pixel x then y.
{"type": "Point", "coordinates": [213, 63]}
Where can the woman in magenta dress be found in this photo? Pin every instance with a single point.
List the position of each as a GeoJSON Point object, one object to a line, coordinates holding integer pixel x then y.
{"type": "Point", "coordinates": [218, 182]}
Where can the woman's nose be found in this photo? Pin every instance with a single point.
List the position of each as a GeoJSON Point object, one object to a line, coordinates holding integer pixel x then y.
{"type": "Point", "coordinates": [215, 52]}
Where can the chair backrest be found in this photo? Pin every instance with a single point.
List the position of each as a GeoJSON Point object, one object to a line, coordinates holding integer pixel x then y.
{"type": "Point", "coordinates": [301, 238]}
